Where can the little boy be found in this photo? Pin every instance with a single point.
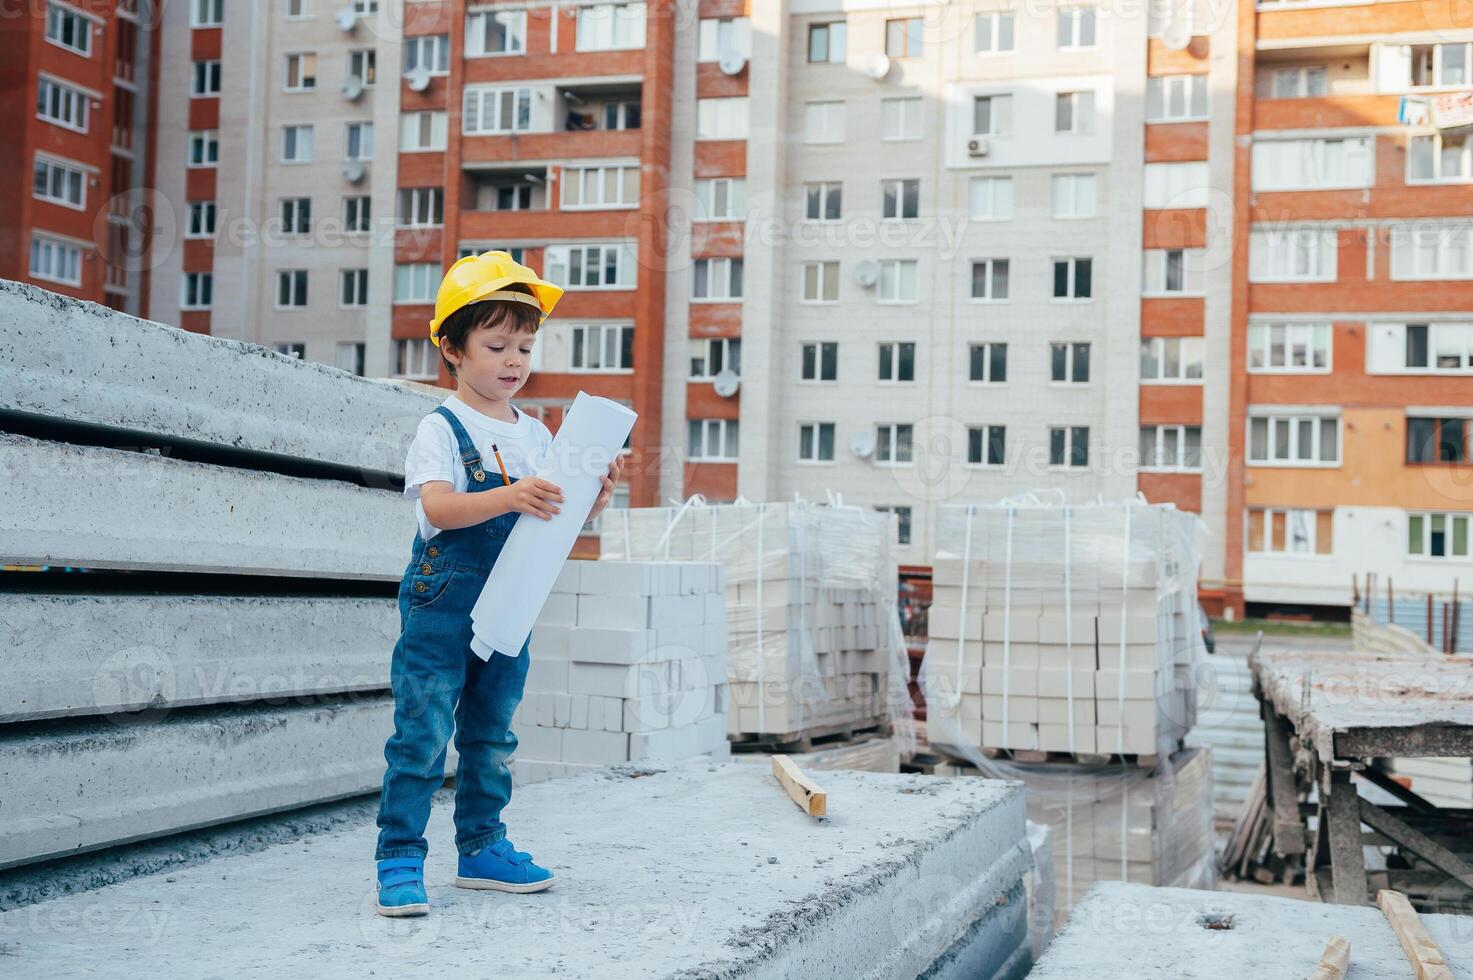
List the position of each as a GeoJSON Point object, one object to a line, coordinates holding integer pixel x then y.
{"type": "Point", "coordinates": [487, 314]}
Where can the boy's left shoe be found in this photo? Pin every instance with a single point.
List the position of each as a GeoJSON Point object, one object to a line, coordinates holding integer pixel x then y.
{"type": "Point", "coordinates": [502, 867]}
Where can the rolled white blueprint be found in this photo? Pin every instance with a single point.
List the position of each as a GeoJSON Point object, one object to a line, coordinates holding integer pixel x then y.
{"type": "Point", "coordinates": [592, 433]}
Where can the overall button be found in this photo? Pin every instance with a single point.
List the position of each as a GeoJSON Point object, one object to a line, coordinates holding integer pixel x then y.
{"type": "Point", "coordinates": [433, 551]}
{"type": "Point", "coordinates": [425, 569]}
{"type": "Point", "coordinates": [420, 586]}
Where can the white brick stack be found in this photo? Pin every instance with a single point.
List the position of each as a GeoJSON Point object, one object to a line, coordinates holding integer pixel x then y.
{"type": "Point", "coordinates": [628, 665]}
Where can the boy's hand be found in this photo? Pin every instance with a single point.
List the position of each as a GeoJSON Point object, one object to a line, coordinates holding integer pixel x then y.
{"type": "Point", "coordinates": [606, 493]}
{"type": "Point", "coordinates": [536, 496]}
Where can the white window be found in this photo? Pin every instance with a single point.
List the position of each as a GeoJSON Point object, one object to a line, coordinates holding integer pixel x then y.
{"type": "Point", "coordinates": [990, 280]}
{"type": "Point", "coordinates": [987, 363]}
{"type": "Point", "coordinates": [301, 72]}
{"type": "Point", "coordinates": [1442, 65]}
{"type": "Point", "coordinates": [819, 361]}
{"type": "Point", "coordinates": [59, 182]}
{"type": "Point", "coordinates": [1174, 272]}
{"type": "Point", "coordinates": [600, 186]}
{"type": "Point", "coordinates": [55, 261]}
{"type": "Point", "coordinates": [1076, 27]}
{"type": "Point", "coordinates": [428, 51]}
{"type": "Point", "coordinates": [827, 42]}
{"type": "Point", "coordinates": [493, 32]}
{"type": "Point", "coordinates": [497, 110]}
{"type": "Point", "coordinates": [1074, 112]}
{"type": "Point", "coordinates": [357, 213]}
{"type": "Point", "coordinates": [900, 119]}
{"type": "Point", "coordinates": [723, 35]}
{"type": "Point", "coordinates": [205, 78]}
{"type": "Point", "coordinates": [206, 13]}
{"type": "Point", "coordinates": [987, 445]}
{"type": "Point", "coordinates": [721, 198]}
{"type": "Point", "coordinates": [363, 65]}
{"type": "Point", "coordinates": [296, 215]}
{"type": "Point", "coordinates": [709, 356]}
{"type": "Point", "coordinates": [196, 291]}
{"type": "Point", "coordinates": [993, 32]}
{"type": "Point", "coordinates": [815, 442]}
{"type": "Point", "coordinates": [1421, 348]}
{"type": "Point", "coordinates": [992, 115]}
{"type": "Point", "coordinates": [716, 279]}
{"type": "Point", "coordinates": [900, 199]}
{"type": "Point", "coordinates": [1292, 255]}
{"type": "Point", "coordinates": [823, 122]}
{"type": "Point", "coordinates": [291, 289]}
{"type": "Point", "coordinates": [592, 266]}
{"type": "Point", "coordinates": [820, 282]}
{"type": "Point", "coordinates": [1312, 164]}
{"type": "Point", "coordinates": [1432, 251]}
{"type": "Point", "coordinates": [421, 207]}
{"type": "Point", "coordinates": [902, 520]}
{"type": "Point", "coordinates": [294, 349]}
{"type": "Point", "coordinates": [898, 279]}
{"type": "Point", "coordinates": [1171, 360]}
{"type": "Point", "coordinates": [1068, 445]}
{"type": "Point", "coordinates": [712, 439]}
{"type": "Point", "coordinates": [1440, 158]}
{"type": "Point", "coordinates": [1073, 278]}
{"type": "Point", "coordinates": [416, 282]}
{"type": "Point", "coordinates": [1171, 448]}
{"type": "Point", "coordinates": [298, 9]}
{"type": "Point", "coordinates": [897, 361]}
{"type": "Point", "coordinates": [905, 37]}
{"type": "Point", "coordinates": [365, 7]}
{"type": "Point", "coordinates": [358, 141]}
{"type": "Point", "coordinates": [349, 357]}
{"type": "Point", "coordinates": [1074, 195]}
{"type": "Point", "coordinates": [353, 291]}
{"type": "Point", "coordinates": [893, 443]}
{"type": "Point", "coordinates": [823, 200]}
{"type": "Point", "coordinates": [610, 27]}
{"type": "Point", "coordinates": [204, 148]}
{"type": "Point", "coordinates": [1303, 82]}
{"type": "Point", "coordinates": [1069, 363]}
{"type": "Point", "coordinates": [1289, 531]}
{"type": "Point", "coordinates": [602, 348]}
{"type": "Point", "coordinates": [61, 104]}
{"type": "Point", "coordinates": [417, 358]}
{"type": "Point", "coordinates": [68, 29]}
{"type": "Point", "coordinates": [1176, 185]}
{"type": "Point", "coordinates": [1289, 348]}
{"type": "Point", "coordinates": [1293, 440]}
{"type": "Point", "coordinates": [201, 220]}
{"type": "Point", "coordinates": [722, 118]}
{"type": "Point", "coordinates": [1437, 535]}
{"type": "Point", "coordinates": [991, 198]}
{"type": "Point", "coordinates": [422, 131]}
{"type": "Point", "coordinates": [296, 144]}
{"type": "Point", "coordinates": [1174, 98]}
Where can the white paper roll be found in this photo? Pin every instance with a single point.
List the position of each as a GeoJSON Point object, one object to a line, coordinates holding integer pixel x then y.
{"type": "Point", "coordinates": [592, 433]}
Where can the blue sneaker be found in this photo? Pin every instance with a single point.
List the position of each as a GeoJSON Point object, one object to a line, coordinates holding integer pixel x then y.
{"type": "Point", "coordinates": [401, 887]}
{"type": "Point", "coordinates": [503, 868]}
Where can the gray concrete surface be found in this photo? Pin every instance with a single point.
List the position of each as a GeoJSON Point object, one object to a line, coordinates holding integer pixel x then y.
{"type": "Point", "coordinates": [749, 886]}
{"type": "Point", "coordinates": [1136, 932]}
{"type": "Point", "coordinates": [123, 373]}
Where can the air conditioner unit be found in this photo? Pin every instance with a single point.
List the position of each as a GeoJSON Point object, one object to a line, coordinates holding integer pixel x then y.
{"type": "Point", "coordinates": [978, 147]}
{"type": "Point", "coordinates": [353, 88]}
{"type": "Point", "coordinates": [418, 78]}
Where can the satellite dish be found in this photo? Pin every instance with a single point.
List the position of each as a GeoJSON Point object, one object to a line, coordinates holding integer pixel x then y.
{"type": "Point", "coordinates": [877, 65]}
{"type": "Point", "coordinates": [731, 62]}
{"type": "Point", "coordinates": [347, 19]}
{"type": "Point", "coordinates": [867, 273]}
{"type": "Point", "coordinates": [863, 445]}
{"type": "Point", "coordinates": [727, 383]}
{"type": "Point", "coordinates": [1177, 34]}
{"type": "Point", "coordinates": [353, 88]}
{"type": "Point", "coordinates": [418, 78]}
{"type": "Point", "coordinates": [353, 171]}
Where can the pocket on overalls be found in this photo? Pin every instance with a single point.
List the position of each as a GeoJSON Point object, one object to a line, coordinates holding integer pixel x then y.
{"type": "Point", "coordinates": [428, 582]}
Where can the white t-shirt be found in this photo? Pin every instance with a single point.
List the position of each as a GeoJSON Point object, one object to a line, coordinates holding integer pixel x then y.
{"type": "Point", "coordinates": [434, 454]}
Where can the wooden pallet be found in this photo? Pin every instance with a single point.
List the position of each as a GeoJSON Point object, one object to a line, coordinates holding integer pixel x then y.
{"type": "Point", "coordinates": [1038, 756]}
{"type": "Point", "coordinates": [818, 737]}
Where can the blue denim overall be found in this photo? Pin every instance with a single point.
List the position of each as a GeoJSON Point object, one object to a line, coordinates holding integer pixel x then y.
{"type": "Point", "coordinates": [437, 679]}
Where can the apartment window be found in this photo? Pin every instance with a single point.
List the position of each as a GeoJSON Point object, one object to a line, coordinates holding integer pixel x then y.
{"type": "Point", "coordinates": [1437, 535]}
{"type": "Point", "coordinates": [721, 118]}
{"type": "Point", "coordinates": [820, 361]}
{"type": "Point", "coordinates": [349, 357]}
{"type": "Point", "coordinates": [1289, 531]}
{"type": "Point", "coordinates": [1432, 251]}
{"type": "Point", "coordinates": [1293, 255]}
{"type": "Point", "coordinates": [823, 200]}
{"type": "Point", "coordinates": [354, 287]}
{"type": "Point", "coordinates": [898, 279]}
{"type": "Point", "coordinates": [987, 445]}
{"type": "Point", "coordinates": [358, 141]}
{"type": "Point", "coordinates": [1293, 440]}
{"type": "Point", "coordinates": [827, 42]}
{"type": "Point", "coordinates": [205, 78]}
{"type": "Point", "coordinates": [993, 32]}
{"type": "Point", "coordinates": [1171, 360]}
{"type": "Point", "coordinates": [363, 65]}
{"type": "Point", "coordinates": [1072, 278]}
{"type": "Point", "coordinates": [60, 183]}
{"type": "Point", "coordinates": [1175, 185]}
{"type": "Point", "coordinates": [298, 9]}
{"type": "Point", "coordinates": [421, 207]}
{"type": "Point", "coordinates": [201, 220]}
{"type": "Point", "coordinates": [1174, 448]}
{"type": "Point", "coordinates": [1438, 347]}
{"type": "Point", "coordinates": [428, 51]}
{"type": "Point", "coordinates": [357, 213]}
{"type": "Point", "coordinates": [721, 198]}
{"type": "Point", "coordinates": [600, 186]}
{"type": "Point", "coordinates": [902, 521]}
{"type": "Point", "coordinates": [717, 279]}
{"type": "Point", "coordinates": [723, 35]}
{"type": "Point", "coordinates": [55, 261]}
{"type": "Point", "coordinates": [893, 443]}
{"type": "Point", "coordinates": [1304, 82]}
{"type": "Point", "coordinates": [1068, 446]}
{"type": "Point", "coordinates": [417, 358]}
{"type": "Point", "coordinates": [897, 361]}
{"type": "Point", "coordinates": [904, 37]}
{"type": "Point", "coordinates": [1074, 195]}
{"type": "Point", "coordinates": [900, 199]}
{"type": "Point", "coordinates": [416, 282]}
{"type": "Point", "coordinates": [709, 356]}
{"type": "Point", "coordinates": [301, 72]}
{"type": "Point", "coordinates": [1173, 271]}
{"type": "Point", "coordinates": [823, 122]}
{"type": "Point", "coordinates": [1440, 158]}
{"type": "Point", "coordinates": [1175, 98]}
{"type": "Point", "coordinates": [900, 119]}
{"type": "Point", "coordinates": [816, 442]}
{"type": "Point", "coordinates": [1289, 348]}
{"type": "Point", "coordinates": [987, 363]}
{"type": "Point", "coordinates": [991, 198]}
{"type": "Point", "coordinates": [291, 349]}
{"type": "Point", "coordinates": [1069, 363]}
{"type": "Point", "coordinates": [204, 148]}
{"type": "Point", "coordinates": [291, 289]}
{"type": "Point", "coordinates": [296, 215]}
{"type": "Point", "coordinates": [1076, 27]}
{"type": "Point", "coordinates": [1312, 164]}
{"type": "Point", "coordinates": [1437, 440]}
{"type": "Point", "coordinates": [196, 291]}
{"type": "Point", "coordinates": [712, 439]}
{"type": "Point", "coordinates": [1442, 65]}
{"type": "Point", "coordinates": [365, 7]}
{"type": "Point", "coordinates": [990, 280]}
{"type": "Point", "coordinates": [497, 110]}
{"type": "Point", "coordinates": [592, 266]}
{"type": "Point", "coordinates": [422, 131]}
{"type": "Point", "coordinates": [624, 114]}
{"type": "Point", "coordinates": [992, 115]}
{"type": "Point", "coordinates": [494, 32]}
{"type": "Point", "coordinates": [602, 347]}
{"type": "Point", "coordinates": [61, 104]}
{"type": "Point", "coordinates": [610, 27]}
{"type": "Point", "coordinates": [820, 282]}
{"type": "Point", "coordinates": [296, 144]}
{"type": "Point", "coordinates": [206, 13]}
{"type": "Point", "coordinates": [1074, 112]}
{"type": "Point", "coordinates": [68, 29]}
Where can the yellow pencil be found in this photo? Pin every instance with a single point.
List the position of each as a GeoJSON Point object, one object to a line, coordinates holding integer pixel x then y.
{"type": "Point", "coordinates": [502, 466]}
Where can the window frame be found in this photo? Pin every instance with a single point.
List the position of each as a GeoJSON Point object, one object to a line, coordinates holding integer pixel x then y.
{"type": "Point", "coordinates": [1294, 421]}
{"type": "Point", "coordinates": [1159, 346]}
{"type": "Point", "coordinates": [990, 277]}
{"type": "Point", "coordinates": [989, 362]}
{"type": "Point", "coordinates": [359, 278]}
{"type": "Point", "coordinates": [898, 266]}
{"type": "Point", "coordinates": [899, 439]}
{"type": "Point", "coordinates": [1072, 278]}
{"type": "Point", "coordinates": [897, 351]}
{"type": "Point", "coordinates": [619, 336]}
{"type": "Point", "coordinates": [1164, 433]}
{"type": "Point", "coordinates": [1427, 519]}
{"type": "Point", "coordinates": [1266, 533]}
{"type": "Point", "coordinates": [70, 170]}
{"type": "Point", "coordinates": [819, 348]}
{"type": "Point", "coordinates": [69, 253]}
{"type": "Point", "coordinates": [985, 431]}
{"type": "Point", "coordinates": [993, 182]}
{"type": "Point", "coordinates": [1260, 339]}
{"type": "Point", "coordinates": [815, 439]}
{"type": "Point", "coordinates": [297, 284]}
{"type": "Point", "coordinates": [727, 436]}
{"type": "Point", "coordinates": [1069, 443]}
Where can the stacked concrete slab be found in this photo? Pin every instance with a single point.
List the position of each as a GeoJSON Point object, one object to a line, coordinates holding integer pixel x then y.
{"type": "Point", "coordinates": [629, 665]}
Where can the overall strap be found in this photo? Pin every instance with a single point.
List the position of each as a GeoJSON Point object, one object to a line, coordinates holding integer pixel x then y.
{"type": "Point", "coordinates": [469, 454]}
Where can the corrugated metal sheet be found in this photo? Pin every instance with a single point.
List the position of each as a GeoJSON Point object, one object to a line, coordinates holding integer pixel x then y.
{"type": "Point", "coordinates": [1228, 723]}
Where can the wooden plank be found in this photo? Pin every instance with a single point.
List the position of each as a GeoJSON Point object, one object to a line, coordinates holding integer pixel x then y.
{"type": "Point", "coordinates": [1409, 797]}
{"type": "Point", "coordinates": [1411, 839]}
{"type": "Point", "coordinates": [809, 796]}
{"type": "Point", "coordinates": [1426, 959]}
{"type": "Point", "coordinates": [1288, 829]}
{"type": "Point", "coordinates": [1347, 854]}
{"type": "Point", "coordinates": [1334, 961]}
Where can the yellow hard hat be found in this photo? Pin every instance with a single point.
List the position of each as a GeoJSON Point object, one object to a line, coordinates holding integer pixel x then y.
{"type": "Point", "coordinates": [484, 277]}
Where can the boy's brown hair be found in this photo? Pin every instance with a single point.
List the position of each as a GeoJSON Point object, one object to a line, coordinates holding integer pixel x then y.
{"type": "Point", "coordinates": [458, 326]}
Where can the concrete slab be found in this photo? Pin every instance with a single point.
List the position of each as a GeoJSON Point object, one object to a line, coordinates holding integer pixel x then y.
{"type": "Point", "coordinates": [1140, 932]}
{"type": "Point", "coordinates": [749, 886]}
